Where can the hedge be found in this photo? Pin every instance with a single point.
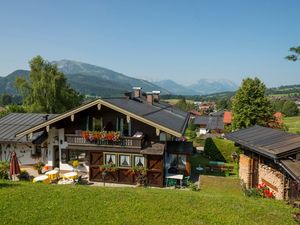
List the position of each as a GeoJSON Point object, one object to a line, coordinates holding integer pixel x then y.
{"type": "Point", "coordinates": [219, 149]}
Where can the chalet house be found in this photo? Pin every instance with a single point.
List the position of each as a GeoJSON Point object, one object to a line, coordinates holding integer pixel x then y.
{"type": "Point", "coordinates": [212, 122]}
{"type": "Point", "coordinates": [271, 157]}
{"type": "Point", "coordinates": [130, 131]}
{"type": "Point", "coordinates": [29, 151]}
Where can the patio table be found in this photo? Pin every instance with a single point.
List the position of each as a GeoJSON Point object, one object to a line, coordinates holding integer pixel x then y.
{"type": "Point", "coordinates": [176, 177]}
{"type": "Point", "coordinates": [42, 178]}
{"type": "Point", "coordinates": [70, 175]}
{"type": "Point", "coordinates": [52, 174]}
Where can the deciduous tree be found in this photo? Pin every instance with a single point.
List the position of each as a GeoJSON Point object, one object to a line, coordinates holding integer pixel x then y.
{"type": "Point", "coordinates": [290, 108]}
{"type": "Point", "coordinates": [251, 106]}
{"type": "Point", "coordinates": [47, 90]}
{"type": "Point", "coordinates": [295, 54]}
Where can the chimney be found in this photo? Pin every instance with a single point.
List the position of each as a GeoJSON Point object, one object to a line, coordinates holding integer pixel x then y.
{"type": "Point", "coordinates": [149, 96]}
{"type": "Point", "coordinates": [127, 95]}
{"type": "Point", "coordinates": [156, 96]}
{"type": "Point", "coordinates": [137, 92]}
{"type": "Point", "coordinates": [45, 117]}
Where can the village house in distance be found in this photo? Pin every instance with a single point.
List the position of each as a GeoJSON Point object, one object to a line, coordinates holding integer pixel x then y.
{"type": "Point", "coordinates": [134, 130]}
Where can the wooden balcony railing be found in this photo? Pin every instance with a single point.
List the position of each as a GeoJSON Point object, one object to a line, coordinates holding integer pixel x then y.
{"type": "Point", "coordinates": [129, 142]}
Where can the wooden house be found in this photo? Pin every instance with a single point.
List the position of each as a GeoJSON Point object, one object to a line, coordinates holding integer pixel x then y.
{"type": "Point", "coordinates": [130, 131]}
{"type": "Point", "coordinates": [272, 157]}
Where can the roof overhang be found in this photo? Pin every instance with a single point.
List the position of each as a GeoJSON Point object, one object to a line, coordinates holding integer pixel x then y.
{"type": "Point", "coordinates": [95, 103]}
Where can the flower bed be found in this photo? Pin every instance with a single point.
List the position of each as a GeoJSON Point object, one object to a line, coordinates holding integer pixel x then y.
{"type": "Point", "coordinates": [262, 190]}
{"type": "Point", "coordinates": [100, 136]}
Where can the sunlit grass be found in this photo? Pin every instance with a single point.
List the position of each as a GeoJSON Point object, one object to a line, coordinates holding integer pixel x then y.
{"type": "Point", "coordinates": [220, 201]}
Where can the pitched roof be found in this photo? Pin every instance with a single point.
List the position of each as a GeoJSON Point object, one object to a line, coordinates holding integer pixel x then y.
{"type": "Point", "coordinates": [13, 123]}
{"type": "Point", "coordinates": [211, 122]}
{"type": "Point", "coordinates": [269, 142]}
{"type": "Point", "coordinates": [162, 116]}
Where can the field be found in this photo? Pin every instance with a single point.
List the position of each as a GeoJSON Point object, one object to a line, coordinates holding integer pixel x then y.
{"type": "Point", "coordinates": [220, 201]}
{"type": "Point", "coordinates": [174, 101]}
{"type": "Point", "coordinates": [293, 123]}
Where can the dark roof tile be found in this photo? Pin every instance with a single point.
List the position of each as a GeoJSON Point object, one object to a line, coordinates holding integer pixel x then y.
{"type": "Point", "coordinates": [16, 122]}
{"type": "Point", "coordinates": [266, 141]}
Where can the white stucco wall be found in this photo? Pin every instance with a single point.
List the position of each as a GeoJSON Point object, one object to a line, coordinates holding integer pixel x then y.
{"type": "Point", "coordinates": [62, 145]}
{"type": "Point", "coordinates": [24, 153]}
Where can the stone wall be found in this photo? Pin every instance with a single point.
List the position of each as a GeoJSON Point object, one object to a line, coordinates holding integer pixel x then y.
{"type": "Point", "coordinates": [245, 170]}
{"type": "Point", "coordinates": [273, 179]}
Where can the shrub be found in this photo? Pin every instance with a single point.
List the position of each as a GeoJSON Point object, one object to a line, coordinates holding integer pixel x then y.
{"type": "Point", "coordinates": [39, 166]}
{"type": "Point", "coordinates": [262, 190]}
{"type": "Point", "coordinates": [4, 170]}
{"type": "Point", "coordinates": [24, 175]}
{"type": "Point", "coordinates": [193, 187]}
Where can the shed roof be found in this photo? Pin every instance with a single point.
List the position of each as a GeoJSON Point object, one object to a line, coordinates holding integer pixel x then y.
{"type": "Point", "coordinates": [269, 142]}
{"type": "Point", "coordinates": [16, 122]}
{"type": "Point", "coordinates": [292, 167]}
{"type": "Point", "coordinates": [180, 147]}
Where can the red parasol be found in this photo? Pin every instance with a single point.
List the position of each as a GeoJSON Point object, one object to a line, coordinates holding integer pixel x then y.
{"type": "Point", "coordinates": [14, 167]}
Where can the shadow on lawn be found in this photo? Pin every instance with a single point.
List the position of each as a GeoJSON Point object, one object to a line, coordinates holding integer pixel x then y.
{"type": "Point", "coordinates": [8, 185]}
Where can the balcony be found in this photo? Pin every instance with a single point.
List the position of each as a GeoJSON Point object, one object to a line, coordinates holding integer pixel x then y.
{"type": "Point", "coordinates": [122, 142]}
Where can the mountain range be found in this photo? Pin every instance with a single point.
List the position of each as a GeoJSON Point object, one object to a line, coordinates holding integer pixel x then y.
{"type": "Point", "coordinates": [98, 81]}
{"type": "Point", "coordinates": [201, 87]}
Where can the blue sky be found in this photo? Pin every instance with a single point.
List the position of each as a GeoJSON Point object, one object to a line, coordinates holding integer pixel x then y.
{"type": "Point", "coordinates": [154, 40]}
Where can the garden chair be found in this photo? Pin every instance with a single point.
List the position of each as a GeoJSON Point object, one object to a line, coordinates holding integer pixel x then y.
{"type": "Point", "coordinates": [171, 182]}
{"type": "Point", "coordinates": [186, 180]}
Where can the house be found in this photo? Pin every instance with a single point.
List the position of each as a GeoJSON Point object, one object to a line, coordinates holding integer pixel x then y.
{"type": "Point", "coordinates": [206, 107]}
{"type": "Point", "coordinates": [29, 151]}
{"type": "Point", "coordinates": [212, 122]}
{"type": "Point", "coordinates": [134, 130]}
{"type": "Point", "coordinates": [271, 157]}
{"type": "Point", "coordinates": [194, 113]}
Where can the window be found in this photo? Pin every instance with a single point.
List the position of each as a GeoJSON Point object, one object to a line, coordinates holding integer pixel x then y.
{"type": "Point", "coordinates": [124, 161]}
{"type": "Point", "coordinates": [97, 124]}
{"type": "Point", "coordinates": [77, 155]}
{"type": "Point", "coordinates": [176, 163]}
{"type": "Point", "coordinates": [139, 161]}
{"type": "Point", "coordinates": [110, 159]}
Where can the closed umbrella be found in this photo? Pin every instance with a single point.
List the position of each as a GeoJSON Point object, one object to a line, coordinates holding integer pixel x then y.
{"type": "Point", "coordinates": [14, 167]}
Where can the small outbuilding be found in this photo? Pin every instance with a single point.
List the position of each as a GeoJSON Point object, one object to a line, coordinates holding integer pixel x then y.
{"type": "Point", "coordinates": [269, 156]}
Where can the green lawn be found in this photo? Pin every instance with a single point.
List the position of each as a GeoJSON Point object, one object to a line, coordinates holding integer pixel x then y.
{"type": "Point", "coordinates": [220, 201]}
{"type": "Point", "coordinates": [293, 123]}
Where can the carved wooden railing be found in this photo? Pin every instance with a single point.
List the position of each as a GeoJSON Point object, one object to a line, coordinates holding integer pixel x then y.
{"type": "Point", "coordinates": [129, 142]}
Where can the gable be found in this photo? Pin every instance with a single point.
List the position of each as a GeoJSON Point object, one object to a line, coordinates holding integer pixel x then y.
{"type": "Point", "coordinates": [162, 119]}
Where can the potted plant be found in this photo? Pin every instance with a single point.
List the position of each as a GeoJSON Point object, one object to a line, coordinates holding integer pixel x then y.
{"type": "Point", "coordinates": [74, 164]}
{"type": "Point", "coordinates": [39, 166]}
{"type": "Point", "coordinates": [141, 175]}
{"type": "Point", "coordinates": [107, 168]}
